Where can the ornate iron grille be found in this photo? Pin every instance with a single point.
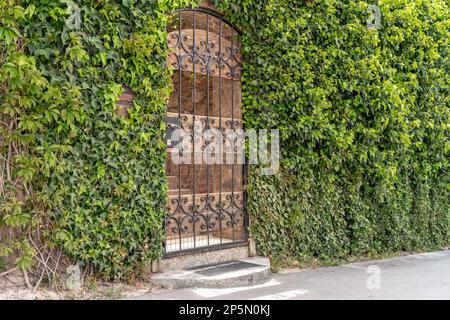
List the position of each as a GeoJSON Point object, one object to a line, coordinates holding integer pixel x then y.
{"type": "Point", "coordinates": [206, 205]}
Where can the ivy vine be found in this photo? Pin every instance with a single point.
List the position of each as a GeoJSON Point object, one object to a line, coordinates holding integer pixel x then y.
{"type": "Point", "coordinates": [363, 114]}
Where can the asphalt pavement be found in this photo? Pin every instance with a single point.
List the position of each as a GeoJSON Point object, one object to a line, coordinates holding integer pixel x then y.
{"type": "Point", "coordinates": [419, 276]}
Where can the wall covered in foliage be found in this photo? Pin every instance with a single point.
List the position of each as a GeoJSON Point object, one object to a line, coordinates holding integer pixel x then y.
{"type": "Point", "coordinates": [86, 179]}
{"type": "Point", "coordinates": [363, 115]}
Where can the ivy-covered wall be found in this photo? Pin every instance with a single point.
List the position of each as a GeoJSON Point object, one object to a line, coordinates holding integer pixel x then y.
{"type": "Point", "coordinates": [363, 115]}
{"type": "Point", "coordinates": [85, 179]}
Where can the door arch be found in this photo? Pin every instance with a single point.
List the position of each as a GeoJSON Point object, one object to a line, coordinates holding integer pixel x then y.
{"type": "Point", "coordinates": [206, 205]}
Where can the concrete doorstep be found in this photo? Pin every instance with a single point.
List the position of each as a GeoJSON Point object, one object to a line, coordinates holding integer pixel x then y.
{"type": "Point", "coordinates": [225, 274]}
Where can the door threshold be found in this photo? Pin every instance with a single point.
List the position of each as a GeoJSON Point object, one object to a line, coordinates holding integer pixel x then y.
{"type": "Point", "coordinates": [201, 256]}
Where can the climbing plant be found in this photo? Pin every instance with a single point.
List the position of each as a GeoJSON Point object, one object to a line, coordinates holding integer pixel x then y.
{"type": "Point", "coordinates": [363, 115]}
{"type": "Point", "coordinates": [21, 87]}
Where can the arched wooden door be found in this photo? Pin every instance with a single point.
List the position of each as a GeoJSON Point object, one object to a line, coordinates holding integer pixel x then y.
{"type": "Point", "coordinates": [206, 205]}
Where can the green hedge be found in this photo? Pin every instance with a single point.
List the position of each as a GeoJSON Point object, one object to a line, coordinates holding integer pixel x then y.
{"type": "Point", "coordinates": [363, 115]}
{"type": "Point", "coordinates": [364, 118]}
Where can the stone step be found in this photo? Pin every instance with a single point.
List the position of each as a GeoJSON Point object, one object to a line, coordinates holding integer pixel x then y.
{"type": "Point", "coordinates": [225, 274]}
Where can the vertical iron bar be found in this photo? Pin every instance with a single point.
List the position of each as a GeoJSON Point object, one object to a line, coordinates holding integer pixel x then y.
{"type": "Point", "coordinates": [233, 214]}
{"type": "Point", "coordinates": [246, 221]}
{"type": "Point", "coordinates": [193, 123]}
{"type": "Point", "coordinates": [207, 121]}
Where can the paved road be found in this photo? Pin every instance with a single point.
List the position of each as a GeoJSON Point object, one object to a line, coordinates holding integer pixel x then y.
{"type": "Point", "coordinates": [421, 276]}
